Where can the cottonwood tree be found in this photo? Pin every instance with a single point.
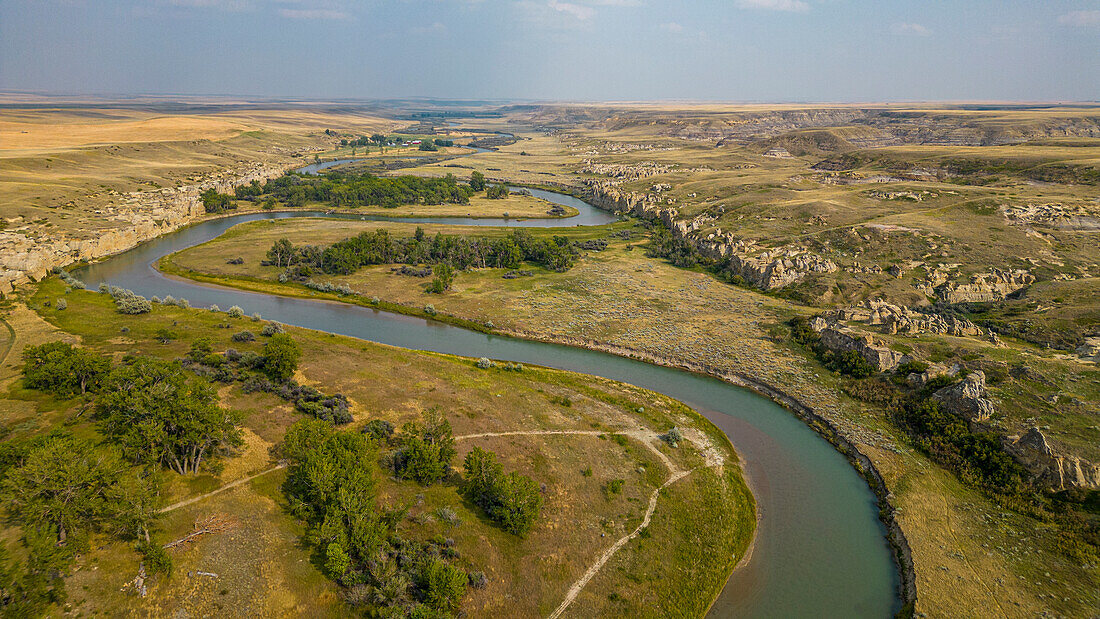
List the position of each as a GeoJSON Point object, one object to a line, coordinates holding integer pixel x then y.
{"type": "Point", "coordinates": [281, 253]}
{"type": "Point", "coordinates": [63, 485]}
{"type": "Point", "coordinates": [281, 356]}
{"type": "Point", "coordinates": [160, 416]}
{"type": "Point", "coordinates": [477, 181]}
{"type": "Point", "coordinates": [63, 369]}
{"type": "Point", "coordinates": [513, 500]}
{"type": "Point", "coordinates": [427, 448]}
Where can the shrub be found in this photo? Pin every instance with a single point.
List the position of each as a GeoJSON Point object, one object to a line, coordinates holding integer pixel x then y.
{"type": "Point", "coordinates": [379, 429]}
{"type": "Point", "coordinates": [375, 300]}
{"type": "Point", "coordinates": [512, 500]}
{"type": "Point", "coordinates": [613, 487]}
{"type": "Point", "coordinates": [429, 309]}
{"type": "Point", "coordinates": [673, 437]}
{"type": "Point", "coordinates": [215, 308]}
{"type": "Point", "coordinates": [272, 328]}
{"type": "Point", "coordinates": [236, 312]}
{"type": "Point", "coordinates": [156, 558]}
{"type": "Point", "coordinates": [256, 317]}
{"type": "Point", "coordinates": [449, 516]}
{"type": "Point", "coordinates": [244, 336]}
{"type": "Point", "coordinates": [61, 304]}
{"type": "Point", "coordinates": [484, 363]}
{"type": "Point", "coordinates": [281, 356]}
{"type": "Point", "coordinates": [478, 580]}
{"type": "Point", "coordinates": [443, 584]}
{"type": "Point", "coordinates": [427, 449]}
{"type": "Point", "coordinates": [129, 303]}
{"type": "Point", "coordinates": [911, 367]}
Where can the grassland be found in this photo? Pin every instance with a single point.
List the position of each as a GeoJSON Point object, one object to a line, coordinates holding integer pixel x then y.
{"type": "Point", "coordinates": [261, 565]}
{"type": "Point", "coordinates": [929, 191]}
{"type": "Point", "coordinates": [623, 299]}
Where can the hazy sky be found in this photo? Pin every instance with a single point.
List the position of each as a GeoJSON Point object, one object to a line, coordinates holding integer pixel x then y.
{"type": "Point", "coordinates": [744, 50]}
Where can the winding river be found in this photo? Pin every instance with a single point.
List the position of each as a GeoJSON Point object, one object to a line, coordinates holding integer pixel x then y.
{"type": "Point", "coordinates": [820, 550]}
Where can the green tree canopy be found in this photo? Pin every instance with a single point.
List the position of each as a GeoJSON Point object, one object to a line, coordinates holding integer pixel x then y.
{"type": "Point", "coordinates": [63, 369]}
{"type": "Point", "coordinates": [281, 356]}
{"type": "Point", "coordinates": [427, 448]}
{"type": "Point", "coordinates": [160, 416]}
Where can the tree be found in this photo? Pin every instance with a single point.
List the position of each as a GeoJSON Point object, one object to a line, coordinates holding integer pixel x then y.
{"type": "Point", "coordinates": [477, 181]}
{"type": "Point", "coordinates": [512, 500]}
{"type": "Point", "coordinates": [215, 202]}
{"type": "Point", "coordinates": [443, 584]}
{"type": "Point", "coordinates": [444, 277]}
{"type": "Point", "coordinates": [63, 485]}
{"type": "Point", "coordinates": [497, 192]}
{"type": "Point", "coordinates": [281, 253]}
{"type": "Point", "coordinates": [427, 448]}
{"type": "Point", "coordinates": [281, 356]}
{"type": "Point", "coordinates": [427, 145]}
{"type": "Point", "coordinates": [160, 416]}
{"type": "Point", "coordinates": [62, 369]}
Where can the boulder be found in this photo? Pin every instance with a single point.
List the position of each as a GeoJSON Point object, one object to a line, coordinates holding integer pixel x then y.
{"type": "Point", "coordinates": [967, 398]}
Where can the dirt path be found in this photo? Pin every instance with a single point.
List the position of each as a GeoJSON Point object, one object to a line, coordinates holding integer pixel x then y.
{"type": "Point", "coordinates": [229, 486]}
{"type": "Point", "coordinates": [595, 568]}
{"type": "Point", "coordinates": [645, 437]}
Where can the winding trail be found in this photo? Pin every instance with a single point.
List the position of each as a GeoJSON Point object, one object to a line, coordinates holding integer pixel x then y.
{"type": "Point", "coordinates": [643, 436]}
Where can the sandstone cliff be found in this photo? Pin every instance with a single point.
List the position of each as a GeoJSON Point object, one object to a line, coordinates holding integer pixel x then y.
{"type": "Point", "coordinates": [141, 216]}
{"type": "Point", "coordinates": [767, 269]}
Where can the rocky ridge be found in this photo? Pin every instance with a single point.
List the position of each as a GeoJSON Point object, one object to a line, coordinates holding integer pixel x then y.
{"type": "Point", "coordinates": [895, 319]}
{"type": "Point", "coordinates": [767, 269]}
{"type": "Point", "coordinates": [141, 216]}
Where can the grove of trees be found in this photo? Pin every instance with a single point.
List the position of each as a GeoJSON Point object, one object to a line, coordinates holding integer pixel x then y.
{"type": "Point", "coordinates": [460, 252]}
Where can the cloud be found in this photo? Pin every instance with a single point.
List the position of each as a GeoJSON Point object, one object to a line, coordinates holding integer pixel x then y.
{"type": "Point", "coordinates": [313, 14]}
{"type": "Point", "coordinates": [1080, 18]}
{"type": "Point", "coordinates": [433, 28]}
{"type": "Point", "coordinates": [576, 10]}
{"type": "Point", "coordinates": [671, 27]}
{"type": "Point", "coordinates": [910, 29]}
{"type": "Point", "coordinates": [788, 6]}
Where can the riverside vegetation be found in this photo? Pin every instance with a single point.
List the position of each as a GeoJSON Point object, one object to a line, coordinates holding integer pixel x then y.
{"type": "Point", "coordinates": [960, 237]}
{"type": "Point", "coordinates": [440, 523]}
{"type": "Point", "coordinates": [886, 246]}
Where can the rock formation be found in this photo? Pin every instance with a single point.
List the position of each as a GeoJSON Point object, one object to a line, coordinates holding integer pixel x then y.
{"type": "Point", "coordinates": [1060, 471]}
{"type": "Point", "coordinates": [992, 286]}
{"type": "Point", "coordinates": [141, 216]}
{"type": "Point", "coordinates": [764, 268]}
{"type": "Point", "coordinates": [967, 398]}
{"type": "Point", "coordinates": [841, 339]}
{"type": "Point", "coordinates": [894, 319]}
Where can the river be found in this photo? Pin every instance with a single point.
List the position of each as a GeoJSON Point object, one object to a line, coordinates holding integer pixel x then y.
{"type": "Point", "coordinates": [820, 549]}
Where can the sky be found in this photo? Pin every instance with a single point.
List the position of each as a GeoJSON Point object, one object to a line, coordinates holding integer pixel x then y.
{"type": "Point", "coordinates": [565, 50]}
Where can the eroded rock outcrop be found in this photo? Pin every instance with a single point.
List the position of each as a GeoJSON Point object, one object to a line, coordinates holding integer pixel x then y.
{"type": "Point", "coordinates": [840, 339]}
{"type": "Point", "coordinates": [967, 398]}
{"type": "Point", "coordinates": [895, 319]}
{"type": "Point", "coordinates": [1060, 471]}
{"type": "Point", "coordinates": [992, 286]}
{"type": "Point", "coordinates": [767, 269]}
{"type": "Point", "coordinates": [141, 216]}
